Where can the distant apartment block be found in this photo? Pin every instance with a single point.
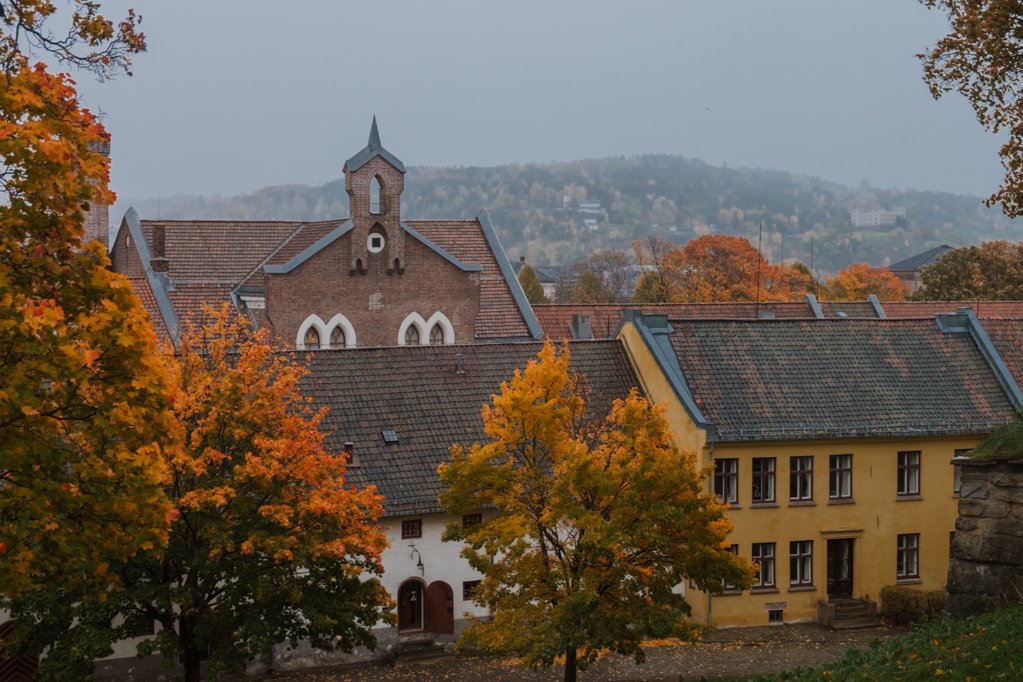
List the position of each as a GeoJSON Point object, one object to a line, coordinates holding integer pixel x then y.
{"type": "Point", "coordinates": [877, 217]}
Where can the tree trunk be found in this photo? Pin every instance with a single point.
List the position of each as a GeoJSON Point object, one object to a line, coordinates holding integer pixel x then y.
{"type": "Point", "coordinates": [570, 666]}
{"type": "Point", "coordinates": [190, 655]}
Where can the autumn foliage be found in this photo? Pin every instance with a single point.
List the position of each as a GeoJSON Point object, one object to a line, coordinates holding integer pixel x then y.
{"type": "Point", "coordinates": [600, 519]}
{"type": "Point", "coordinates": [992, 271]}
{"type": "Point", "coordinates": [715, 268]}
{"type": "Point", "coordinates": [859, 281]}
{"type": "Point", "coordinates": [980, 59]}
{"type": "Point", "coordinates": [268, 543]}
{"type": "Point", "coordinates": [84, 414]}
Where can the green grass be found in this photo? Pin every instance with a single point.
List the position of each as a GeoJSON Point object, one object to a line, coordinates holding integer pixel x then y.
{"type": "Point", "coordinates": [988, 647]}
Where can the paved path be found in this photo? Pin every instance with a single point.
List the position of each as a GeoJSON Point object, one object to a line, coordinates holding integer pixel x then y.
{"type": "Point", "coordinates": [725, 654]}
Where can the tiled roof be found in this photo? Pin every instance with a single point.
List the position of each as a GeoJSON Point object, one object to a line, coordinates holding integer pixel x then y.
{"type": "Point", "coordinates": [217, 250]}
{"type": "Point", "coordinates": [188, 299]}
{"type": "Point", "coordinates": [859, 309]}
{"type": "Point", "coordinates": [920, 260]}
{"type": "Point", "coordinates": [419, 393]}
{"type": "Point", "coordinates": [791, 379]}
{"type": "Point", "coordinates": [1007, 336]}
{"type": "Point", "coordinates": [140, 285]}
{"type": "Point", "coordinates": [302, 238]}
{"type": "Point", "coordinates": [983, 309]}
{"type": "Point", "coordinates": [556, 318]}
{"type": "Point", "coordinates": [499, 316]}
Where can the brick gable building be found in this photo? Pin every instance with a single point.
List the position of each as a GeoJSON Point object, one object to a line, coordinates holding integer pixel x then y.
{"type": "Point", "coordinates": [366, 281]}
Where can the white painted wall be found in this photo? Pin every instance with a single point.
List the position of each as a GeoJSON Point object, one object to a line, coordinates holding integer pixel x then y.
{"type": "Point", "coordinates": [441, 560]}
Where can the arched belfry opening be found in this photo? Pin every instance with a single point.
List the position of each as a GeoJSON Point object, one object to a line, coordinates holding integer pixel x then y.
{"type": "Point", "coordinates": [374, 181]}
{"type": "Point", "coordinates": [376, 206]}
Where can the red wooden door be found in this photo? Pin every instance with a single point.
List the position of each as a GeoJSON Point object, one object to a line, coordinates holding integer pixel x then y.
{"type": "Point", "coordinates": [410, 605]}
{"type": "Point", "coordinates": [440, 608]}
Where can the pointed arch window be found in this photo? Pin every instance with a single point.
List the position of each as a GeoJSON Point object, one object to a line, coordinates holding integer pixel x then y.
{"type": "Point", "coordinates": [337, 337]}
{"type": "Point", "coordinates": [375, 205]}
{"type": "Point", "coordinates": [312, 339]}
{"type": "Point", "coordinates": [437, 335]}
{"type": "Point", "coordinates": [412, 335]}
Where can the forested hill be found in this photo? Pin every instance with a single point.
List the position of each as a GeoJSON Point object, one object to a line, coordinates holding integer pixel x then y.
{"type": "Point", "coordinates": [559, 212]}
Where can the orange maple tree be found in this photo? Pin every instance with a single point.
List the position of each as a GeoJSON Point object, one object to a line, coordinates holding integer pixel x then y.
{"type": "Point", "coordinates": [269, 543]}
{"type": "Point", "coordinates": [728, 268]}
{"type": "Point", "coordinates": [858, 281]}
{"type": "Point", "coordinates": [84, 413]}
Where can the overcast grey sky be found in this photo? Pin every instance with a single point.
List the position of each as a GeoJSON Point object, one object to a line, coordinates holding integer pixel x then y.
{"type": "Point", "coordinates": [235, 95]}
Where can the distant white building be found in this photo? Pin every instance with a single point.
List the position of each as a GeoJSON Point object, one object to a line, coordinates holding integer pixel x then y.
{"type": "Point", "coordinates": [877, 217]}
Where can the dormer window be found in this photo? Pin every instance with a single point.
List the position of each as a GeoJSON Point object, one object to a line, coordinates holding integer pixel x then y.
{"type": "Point", "coordinates": [375, 242]}
{"type": "Point", "coordinates": [374, 195]}
{"type": "Point", "coordinates": [312, 339]}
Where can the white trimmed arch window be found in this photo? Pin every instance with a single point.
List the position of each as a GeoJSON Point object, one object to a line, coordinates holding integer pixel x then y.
{"type": "Point", "coordinates": [314, 333]}
{"type": "Point", "coordinates": [342, 333]}
{"type": "Point", "coordinates": [415, 331]}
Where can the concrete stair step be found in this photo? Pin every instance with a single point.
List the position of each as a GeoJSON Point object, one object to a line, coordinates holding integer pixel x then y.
{"type": "Point", "coordinates": [854, 623]}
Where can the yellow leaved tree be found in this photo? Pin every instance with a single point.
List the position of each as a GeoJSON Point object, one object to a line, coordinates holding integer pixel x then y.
{"type": "Point", "coordinates": [599, 521]}
{"type": "Point", "coordinates": [84, 414]}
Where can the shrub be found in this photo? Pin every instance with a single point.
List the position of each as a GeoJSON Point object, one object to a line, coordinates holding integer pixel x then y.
{"type": "Point", "coordinates": [901, 605]}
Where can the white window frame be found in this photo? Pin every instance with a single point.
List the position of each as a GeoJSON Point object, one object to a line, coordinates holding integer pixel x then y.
{"type": "Point", "coordinates": [321, 328]}
{"type": "Point", "coordinates": [424, 327]}
{"type": "Point", "coordinates": [340, 320]}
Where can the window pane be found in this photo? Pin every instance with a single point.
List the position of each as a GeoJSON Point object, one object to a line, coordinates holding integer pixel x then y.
{"type": "Point", "coordinates": [801, 562]}
{"type": "Point", "coordinates": [801, 478]}
{"type": "Point", "coordinates": [726, 480]}
{"type": "Point", "coordinates": [763, 479]}
{"type": "Point", "coordinates": [907, 563]}
{"type": "Point", "coordinates": [412, 335]}
{"type": "Point", "coordinates": [436, 336]}
{"type": "Point", "coordinates": [840, 479]}
{"type": "Point", "coordinates": [763, 557]}
{"type": "Point", "coordinates": [312, 338]}
{"type": "Point", "coordinates": [909, 473]}
{"type": "Point", "coordinates": [337, 338]}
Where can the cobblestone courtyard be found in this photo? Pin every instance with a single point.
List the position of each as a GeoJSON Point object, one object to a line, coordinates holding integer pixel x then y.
{"type": "Point", "coordinates": [723, 655]}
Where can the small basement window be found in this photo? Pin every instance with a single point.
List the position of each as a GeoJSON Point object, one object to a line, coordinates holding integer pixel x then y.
{"type": "Point", "coordinates": [390, 436]}
{"type": "Point", "coordinates": [775, 616]}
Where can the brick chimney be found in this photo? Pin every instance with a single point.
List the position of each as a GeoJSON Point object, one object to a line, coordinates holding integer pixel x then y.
{"type": "Point", "coordinates": [158, 249]}
{"type": "Point", "coordinates": [97, 218]}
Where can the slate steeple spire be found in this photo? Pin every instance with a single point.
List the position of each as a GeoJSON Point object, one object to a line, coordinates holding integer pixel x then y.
{"type": "Point", "coordinates": [374, 135]}
{"type": "Point", "coordinates": [373, 149]}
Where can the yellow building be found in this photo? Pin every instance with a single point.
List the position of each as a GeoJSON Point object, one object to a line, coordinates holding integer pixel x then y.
{"type": "Point", "coordinates": [831, 441]}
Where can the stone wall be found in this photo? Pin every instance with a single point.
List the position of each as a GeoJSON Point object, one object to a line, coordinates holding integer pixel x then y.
{"type": "Point", "coordinates": [986, 566]}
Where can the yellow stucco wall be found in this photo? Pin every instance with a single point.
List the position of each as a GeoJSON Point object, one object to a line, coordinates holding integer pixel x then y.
{"type": "Point", "coordinates": [658, 389]}
{"type": "Point", "coordinates": [873, 519]}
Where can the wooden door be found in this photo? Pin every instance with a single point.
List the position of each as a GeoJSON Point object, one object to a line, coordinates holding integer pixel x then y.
{"type": "Point", "coordinates": [440, 608]}
{"type": "Point", "coordinates": [410, 605]}
{"type": "Point", "coordinates": [840, 568]}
